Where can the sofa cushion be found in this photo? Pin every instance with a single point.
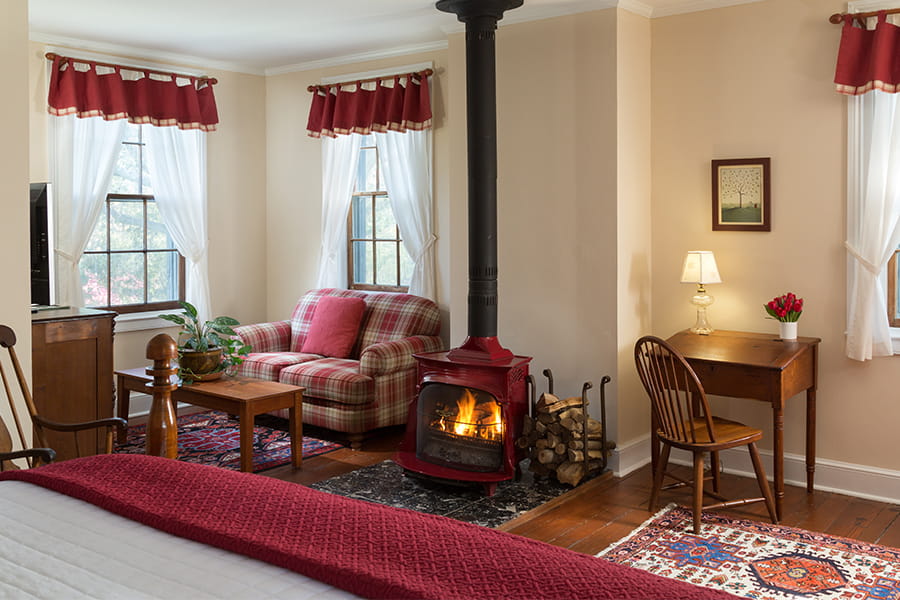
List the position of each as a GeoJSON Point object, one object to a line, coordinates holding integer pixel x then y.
{"type": "Point", "coordinates": [388, 317]}
{"type": "Point", "coordinates": [268, 365]}
{"type": "Point", "coordinates": [334, 326]}
{"type": "Point", "coordinates": [336, 379]}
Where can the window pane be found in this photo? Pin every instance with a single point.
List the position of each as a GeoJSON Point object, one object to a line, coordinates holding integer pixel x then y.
{"type": "Point", "coordinates": [386, 263]}
{"type": "Point", "coordinates": [127, 278]}
{"type": "Point", "coordinates": [362, 217]}
{"type": "Point", "coordinates": [97, 241]}
{"type": "Point", "coordinates": [157, 237]}
{"type": "Point", "coordinates": [406, 267]}
{"type": "Point", "coordinates": [362, 263]}
{"type": "Point", "coordinates": [132, 133]}
{"type": "Point", "coordinates": [385, 226]}
{"type": "Point", "coordinates": [126, 176]}
{"type": "Point", "coordinates": [126, 225]}
{"type": "Point", "coordinates": [93, 279]}
{"type": "Point", "coordinates": [162, 276]}
{"type": "Point", "coordinates": [146, 187]}
{"type": "Point", "coordinates": [367, 171]}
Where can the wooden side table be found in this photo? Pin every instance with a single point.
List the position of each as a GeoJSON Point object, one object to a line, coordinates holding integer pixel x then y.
{"type": "Point", "coordinates": [757, 366]}
{"type": "Point", "coordinates": [242, 396]}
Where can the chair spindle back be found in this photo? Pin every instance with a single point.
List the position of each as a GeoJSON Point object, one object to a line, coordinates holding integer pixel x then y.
{"type": "Point", "coordinates": [676, 394]}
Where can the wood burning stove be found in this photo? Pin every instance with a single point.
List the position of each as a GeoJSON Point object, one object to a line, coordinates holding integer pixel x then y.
{"type": "Point", "coordinates": [471, 400]}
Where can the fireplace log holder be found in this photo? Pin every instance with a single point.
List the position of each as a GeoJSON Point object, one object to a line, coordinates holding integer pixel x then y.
{"type": "Point", "coordinates": [580, 462]}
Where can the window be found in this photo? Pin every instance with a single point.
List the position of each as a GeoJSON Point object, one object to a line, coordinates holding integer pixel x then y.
{"type": "Point", "coordinates": [130, 263]}
{"type": "Point", "coordinates": [376, 258]}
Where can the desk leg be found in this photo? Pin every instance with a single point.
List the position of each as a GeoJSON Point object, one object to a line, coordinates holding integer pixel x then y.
{"type": "Point", "coordinates": [246, 424]}
{"type": "Point", "coordinates": [296, 425]}
{"type": "Point", "coordinates": [810, 439]}
{"type": "Point", "coordinates": [778, 459]}
{"type": "Point", "coordinates": [123, 400]}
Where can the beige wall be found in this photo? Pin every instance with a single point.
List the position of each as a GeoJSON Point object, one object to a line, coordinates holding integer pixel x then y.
{"type": "Point", "coordinates": [294, 180]}
{"type": "Point", "coordinates": [15, 298]}
{"type": "Point", "coordinates": [746, 81]}
{"type": "Point", "coordinates": [236, 180]}
{"type": "Point", "coordinates": [633, 233]}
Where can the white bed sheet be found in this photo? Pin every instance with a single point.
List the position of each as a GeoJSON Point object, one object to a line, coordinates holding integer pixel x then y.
{"type": "Point", "coordinates": [53, 546]}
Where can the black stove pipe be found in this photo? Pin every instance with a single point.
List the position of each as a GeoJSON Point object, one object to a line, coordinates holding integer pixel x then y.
{"type": "Point", "coordinates": [480, 17]}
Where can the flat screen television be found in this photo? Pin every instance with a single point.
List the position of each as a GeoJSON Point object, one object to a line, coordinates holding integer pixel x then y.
{"type": "Point", "coordinates": [42, 274]}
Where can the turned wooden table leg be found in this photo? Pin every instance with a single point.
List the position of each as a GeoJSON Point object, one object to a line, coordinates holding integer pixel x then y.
{"type": "Point", "coordinates": [162, 433]}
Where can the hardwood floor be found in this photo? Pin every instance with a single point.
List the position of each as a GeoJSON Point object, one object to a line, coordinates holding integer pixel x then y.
{"type": "Point", "coordinates": [604, 510]}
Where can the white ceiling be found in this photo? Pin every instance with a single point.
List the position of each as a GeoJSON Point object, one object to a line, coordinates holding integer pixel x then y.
{"type": "Point", "coordinates": [266, 36]}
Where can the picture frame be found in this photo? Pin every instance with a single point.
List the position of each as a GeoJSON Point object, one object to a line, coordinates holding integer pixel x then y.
{"type": "Point", "coordinates": [741, 194]}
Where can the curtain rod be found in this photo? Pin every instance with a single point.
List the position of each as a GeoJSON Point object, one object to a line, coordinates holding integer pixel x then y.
{"type": "Point", "coordinates": [838, 18]}
{"type": "Point", "coordinates": [64, 59]}
{"type": "Point", "coordinates": [326, 87]}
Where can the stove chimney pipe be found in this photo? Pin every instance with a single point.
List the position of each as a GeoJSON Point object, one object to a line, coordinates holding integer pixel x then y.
{"type": "Point", "coordinates": [480, 17]}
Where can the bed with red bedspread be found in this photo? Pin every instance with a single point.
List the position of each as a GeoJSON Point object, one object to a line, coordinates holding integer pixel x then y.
{"type": "Point", "coordinates": [351, 546]}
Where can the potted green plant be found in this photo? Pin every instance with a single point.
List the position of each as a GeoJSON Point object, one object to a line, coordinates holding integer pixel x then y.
{"type": "Point", "coordinates": [206, 349]}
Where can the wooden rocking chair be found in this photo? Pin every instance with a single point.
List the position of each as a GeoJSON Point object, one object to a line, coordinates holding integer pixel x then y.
{"type": "Point", "coordinates": [40, 424]}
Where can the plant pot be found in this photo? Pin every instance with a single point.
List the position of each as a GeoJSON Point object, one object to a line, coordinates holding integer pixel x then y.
{"type": "Point", "coordinates": [200, 366]}
{"type": "Point", "coordinates": [787, 330]}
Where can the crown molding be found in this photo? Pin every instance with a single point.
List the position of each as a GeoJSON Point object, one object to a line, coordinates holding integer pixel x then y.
{"type": "Point", "coordinates": [869, 5]}
{"type": "Point", "coordinates": [697, 6]}
{"type": "Point", "coordinates": [162, 60]}
{"type": "Point", "coordinates": [356, 58]}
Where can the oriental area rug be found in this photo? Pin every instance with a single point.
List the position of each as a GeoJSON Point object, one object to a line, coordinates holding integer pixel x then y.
{"type": "Point", "coordinates": [213, 438]}
{"type": "Point", "coordinates": [759, 560]}
{"type": "Point", "coordinates": [388, 483]}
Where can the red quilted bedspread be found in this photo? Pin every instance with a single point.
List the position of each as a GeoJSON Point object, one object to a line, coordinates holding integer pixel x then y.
{"type": "Point", "coordinates": [368, 549]}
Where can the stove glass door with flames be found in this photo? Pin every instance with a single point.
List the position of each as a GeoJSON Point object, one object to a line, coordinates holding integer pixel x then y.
{"type": "Point", "coordinates": [459, 427]}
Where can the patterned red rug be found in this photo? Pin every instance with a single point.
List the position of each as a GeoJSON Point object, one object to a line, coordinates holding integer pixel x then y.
{"type": "Point", "coordinates": [213, 438]}
{"type": "Point", "coordinates": [759, 560]}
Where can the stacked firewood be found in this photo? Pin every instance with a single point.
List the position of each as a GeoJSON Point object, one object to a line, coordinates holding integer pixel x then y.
{"type": "Point", "coordinates": [563, 440]}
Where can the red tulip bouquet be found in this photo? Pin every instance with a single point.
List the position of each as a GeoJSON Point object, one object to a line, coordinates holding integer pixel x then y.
{"type": "Point", "coordinates": [785, 308]}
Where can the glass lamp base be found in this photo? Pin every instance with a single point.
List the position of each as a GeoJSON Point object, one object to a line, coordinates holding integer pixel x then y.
{"type": "Point", "coordinates": [701, 300]}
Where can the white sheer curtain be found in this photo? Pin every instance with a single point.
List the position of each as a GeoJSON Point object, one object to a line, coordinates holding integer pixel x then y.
{"type": "Point", "coordinates": [406, 164]}
{"type": "Point", "coordinates": [873, 216]}
{"type": "Point", "coordinates": [83, 154]}
{"type": "Point", "coordinates": [176, 160]}
{"type": "Point", "coordinates": [340, 158]}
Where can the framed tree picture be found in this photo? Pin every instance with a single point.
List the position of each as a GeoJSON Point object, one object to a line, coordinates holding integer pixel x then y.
{"type": "Point", "coordinates": [741, 195]}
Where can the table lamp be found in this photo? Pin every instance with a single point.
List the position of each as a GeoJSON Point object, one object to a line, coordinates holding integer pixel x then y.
{"type": "Point", "coordinates": [700, 268]}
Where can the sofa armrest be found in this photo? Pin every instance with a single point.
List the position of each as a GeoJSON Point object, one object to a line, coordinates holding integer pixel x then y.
{"type": "Point", "coordinates": [388, 357]}
{"type": "Point", "coordinates": [266, 337]}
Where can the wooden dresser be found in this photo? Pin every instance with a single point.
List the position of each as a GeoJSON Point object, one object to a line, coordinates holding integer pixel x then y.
{"type": "Point", "coordinates": [72, 372]}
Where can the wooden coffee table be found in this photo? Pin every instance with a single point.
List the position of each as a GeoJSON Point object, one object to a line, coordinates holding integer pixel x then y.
{"type": "Point", "coordinates": [241, 396]}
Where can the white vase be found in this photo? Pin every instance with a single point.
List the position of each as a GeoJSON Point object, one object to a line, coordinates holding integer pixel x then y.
{"type": "Point", "coordinates": [787, 330]}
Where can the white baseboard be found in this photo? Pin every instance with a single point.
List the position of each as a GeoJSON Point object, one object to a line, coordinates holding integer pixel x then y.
{"type": "Point", "coordinates": [139, 405]}
{"type": "Point", "coordinates": [861, 481]}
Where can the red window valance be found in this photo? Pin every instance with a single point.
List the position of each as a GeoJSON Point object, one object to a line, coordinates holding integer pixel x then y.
{"type": "Point", "coordinates": [76, 87]}
{"type": "Point", "coordinates": [868, 58]}
{"type": "Point", "coordinates": [338, 109]}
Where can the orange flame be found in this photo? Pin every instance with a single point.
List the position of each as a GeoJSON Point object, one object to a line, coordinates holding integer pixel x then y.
{"type": "Point", "coordinates": [481, 420]}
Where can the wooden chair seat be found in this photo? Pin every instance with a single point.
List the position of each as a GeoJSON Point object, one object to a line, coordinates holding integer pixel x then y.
{"type": "Point", "coordinates": [682, 420]}
{"type": "Point", "coordinates": [725, 434]}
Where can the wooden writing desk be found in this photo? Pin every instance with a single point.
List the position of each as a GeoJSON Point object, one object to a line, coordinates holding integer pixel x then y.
{"type": "Point", "coordinates": [762, 367]}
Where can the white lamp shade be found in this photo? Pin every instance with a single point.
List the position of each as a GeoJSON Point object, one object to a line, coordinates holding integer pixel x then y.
{"type": "Point", "coordinates": [700, 267]}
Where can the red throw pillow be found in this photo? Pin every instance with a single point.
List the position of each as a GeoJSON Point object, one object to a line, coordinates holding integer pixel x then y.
{"type": "Point", "coordinates": [334, 326]}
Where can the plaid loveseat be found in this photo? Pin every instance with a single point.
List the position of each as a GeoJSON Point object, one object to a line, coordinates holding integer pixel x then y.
{"type": "Point", "coordinates": [370, 389]}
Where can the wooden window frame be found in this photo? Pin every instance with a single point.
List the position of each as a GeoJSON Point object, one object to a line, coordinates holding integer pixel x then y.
{"type": "Point", "coordinates": [374, 195]}
{"type": "Point", "coordinates": [397, 240]}
{"type": "Point", "coordinates": [144, 306]}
